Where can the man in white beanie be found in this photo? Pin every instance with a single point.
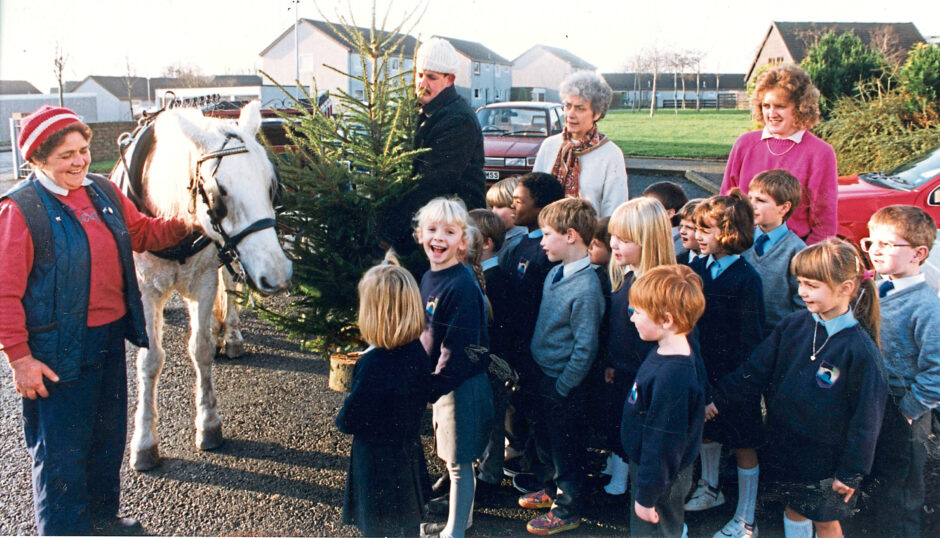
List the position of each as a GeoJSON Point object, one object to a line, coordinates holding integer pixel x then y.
{"type": "Point", "coordinates": [448, 127]}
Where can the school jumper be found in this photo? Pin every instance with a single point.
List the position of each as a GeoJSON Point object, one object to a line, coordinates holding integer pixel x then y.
{"type": "Point", "coordinates": [455, 321]}
{"type": "Point", "coordinates": [781, 291]}
{"type": "Point", "coordinates": [525, 265]}
{"type": "Point", "coordinates": [910, 325]}
{"type": "Point", "coordinates": [627, 351]}
{"type": "Point", "coordinates": [387, 477]}
{"type": "Point", "coordinates": [661, 432]}
{"type": "Point", "coordinates": [823, 415]}
{"type": "Point", "coordinates": [564, 347]}
{"type": "Point", "coordinates": [497, 292]}
{"type": "Point", "coordinates": [728, 331]}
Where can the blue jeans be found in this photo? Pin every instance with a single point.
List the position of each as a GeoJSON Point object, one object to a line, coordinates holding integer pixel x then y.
{"type": "Point", "coordinates": [76, 439]}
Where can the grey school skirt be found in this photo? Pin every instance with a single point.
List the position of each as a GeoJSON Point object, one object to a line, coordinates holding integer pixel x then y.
{"type": "Point", "coordinates": [463, 419]}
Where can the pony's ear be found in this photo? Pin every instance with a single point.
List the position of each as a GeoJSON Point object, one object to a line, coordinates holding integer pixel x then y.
{"type": "Point", "coordinates": [249, 121]}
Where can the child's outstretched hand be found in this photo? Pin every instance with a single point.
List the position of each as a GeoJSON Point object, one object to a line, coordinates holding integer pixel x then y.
{"type": "Point", "coordinates": [711, 411]}
{"type": "Point", "coordinates": [839, 487]}
{"type": "Point", "coordinates": [646, 514]}
{"type": "Point", "coordinates": [609, 375]}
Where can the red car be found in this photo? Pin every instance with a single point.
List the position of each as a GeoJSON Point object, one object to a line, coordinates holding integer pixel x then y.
{"type": "Point", "coordinates": [914, 183]}
{"type": "Point", "coordinates": [513, 133]}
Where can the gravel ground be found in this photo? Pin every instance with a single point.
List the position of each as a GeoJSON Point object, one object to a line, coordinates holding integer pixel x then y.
{"type": "Point", "coordinates": [282, 468]}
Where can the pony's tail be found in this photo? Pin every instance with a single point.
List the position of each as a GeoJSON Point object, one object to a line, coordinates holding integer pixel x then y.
{"type": "Point", "coordinates": [868, 309]}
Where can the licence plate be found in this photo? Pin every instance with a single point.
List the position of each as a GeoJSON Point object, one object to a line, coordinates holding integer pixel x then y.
{"type": "Point", "coordinates": [491, 174]}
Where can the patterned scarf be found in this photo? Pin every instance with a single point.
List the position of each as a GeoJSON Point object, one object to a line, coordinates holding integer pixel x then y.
{"type": "Point", "coordinates": [567, 167]}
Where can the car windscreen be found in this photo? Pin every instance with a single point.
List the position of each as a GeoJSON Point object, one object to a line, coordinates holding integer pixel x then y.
{"type": "Point", "coordinates": [506, 121]}
{"type": "Point", "coordinates": [919, 170]}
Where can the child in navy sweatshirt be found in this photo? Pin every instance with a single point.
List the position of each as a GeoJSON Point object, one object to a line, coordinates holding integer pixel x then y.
{"type": "Point", "coordinates": [821, 377]}
{"type": "Point", "coordinates": [665, 410]}
{"type": "Point", "coordinates": [455, 318]}
{"type": "Point", "coordinates": [525, 265]}
{"type": "Point", "coordinates": [730, 329]}
{"type": "Point", "coordinates": [387, 472]}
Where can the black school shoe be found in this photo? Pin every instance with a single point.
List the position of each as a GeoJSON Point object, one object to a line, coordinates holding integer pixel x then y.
{"type": "Point", "coordinates": [526, 483]}
{"type": "Point", "coordinates": [118, 526]}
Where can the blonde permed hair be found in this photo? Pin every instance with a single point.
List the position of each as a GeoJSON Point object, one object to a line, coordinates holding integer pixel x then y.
{"type": "Point", "coordinates": [642, 221]}
{"type": "Point", "coordinates": [800, 91]}
{"type": "Point", "coordinates": [390, 312]}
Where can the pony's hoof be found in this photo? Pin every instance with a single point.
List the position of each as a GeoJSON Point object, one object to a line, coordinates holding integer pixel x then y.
{"type": "Point", "coordinates": [209, 439]}
{"type": "Point", "coordinates": [233, 349]}
{"type": "Point", "coordinates": [146, 459]}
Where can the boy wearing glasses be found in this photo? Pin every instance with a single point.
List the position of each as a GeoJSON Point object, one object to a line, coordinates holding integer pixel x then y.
{"type": "Point", "coordinates": [900, 240]}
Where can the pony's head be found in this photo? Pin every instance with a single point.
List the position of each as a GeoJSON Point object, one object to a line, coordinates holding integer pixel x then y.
{"type": "Point", "coordinates": [218, 169]}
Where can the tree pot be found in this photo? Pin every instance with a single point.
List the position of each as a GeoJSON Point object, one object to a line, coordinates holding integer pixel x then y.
{"type": "Point", "coordinates": [341, 370]}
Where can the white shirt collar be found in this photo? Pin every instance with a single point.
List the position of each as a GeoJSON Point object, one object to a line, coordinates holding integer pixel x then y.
{"type": "Point", "coordinates": [796, 137]}
{"type": "Point", "coordinates": [906, 282]}
{"type": "Point", "coordinates": [577, 265]}
{"type": "Point", "coordinates": [51, 186]}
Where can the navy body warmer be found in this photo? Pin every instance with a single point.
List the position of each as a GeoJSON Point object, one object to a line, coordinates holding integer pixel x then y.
{"type": "Point", "coordinates": [57, 290]}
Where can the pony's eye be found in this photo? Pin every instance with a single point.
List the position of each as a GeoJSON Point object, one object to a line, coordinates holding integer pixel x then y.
{"type": "Point", "coordinates": [222, 191]}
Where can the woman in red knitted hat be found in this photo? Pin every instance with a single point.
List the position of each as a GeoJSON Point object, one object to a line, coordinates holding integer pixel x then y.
{"type": "Point", "coordinates": [68, 300]}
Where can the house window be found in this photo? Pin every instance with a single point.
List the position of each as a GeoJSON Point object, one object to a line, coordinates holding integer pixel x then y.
{"type": "Point", "coordinates": [359, 95]}
{"type": "Point", "coordinates": [476, 68]}
{"type": "Point", "coordinates": [497, 94]}
{"type": "Point", "coordinates": [394, 64]}
{"type": "Point", "coordinates": [476, 93]}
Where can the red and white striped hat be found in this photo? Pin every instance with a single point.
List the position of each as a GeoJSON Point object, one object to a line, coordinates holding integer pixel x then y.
{"type": "Point", "coordinates": [41, 124]}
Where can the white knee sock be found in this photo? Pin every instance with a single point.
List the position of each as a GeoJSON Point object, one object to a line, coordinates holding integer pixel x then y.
{"type": "Point", "coordinates": [460, 511]}
{"type": "Point", "coordinates": [747, 494]}
{"type": "Point", "coordinates": [797, 529]}
{"type": "Point", "coordinates": [711, 457]}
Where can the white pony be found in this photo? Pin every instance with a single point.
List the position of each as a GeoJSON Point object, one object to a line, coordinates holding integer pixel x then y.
{"type": "Point", "coordinates": [217, 169]}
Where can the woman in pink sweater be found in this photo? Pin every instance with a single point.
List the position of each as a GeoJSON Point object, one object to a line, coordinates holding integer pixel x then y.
{"type": "Point", "coordinates": [786, 104]}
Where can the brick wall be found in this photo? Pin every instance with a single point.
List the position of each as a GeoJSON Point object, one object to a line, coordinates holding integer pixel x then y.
{"type": "Point", "coordinates": [104, 142]}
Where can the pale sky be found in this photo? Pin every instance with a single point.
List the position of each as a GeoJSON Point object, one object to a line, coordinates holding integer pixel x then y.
{"type": "Point", "coordinates": [225, 36]}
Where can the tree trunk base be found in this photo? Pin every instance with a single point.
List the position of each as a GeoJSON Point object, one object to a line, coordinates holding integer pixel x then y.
{"type": "Point", "coordinates": [341, 370]}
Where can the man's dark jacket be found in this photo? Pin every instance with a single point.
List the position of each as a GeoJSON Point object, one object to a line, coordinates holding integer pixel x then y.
{"type": "Point", "coordinates": [453, 166]}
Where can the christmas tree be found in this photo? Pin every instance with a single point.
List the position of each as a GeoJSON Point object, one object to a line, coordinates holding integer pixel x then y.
{"type": "Point", "coordinates": [346, 169]}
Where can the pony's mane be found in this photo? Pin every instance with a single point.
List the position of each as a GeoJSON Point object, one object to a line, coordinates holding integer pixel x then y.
{"type": "Point", "coordinates": [182, 136]}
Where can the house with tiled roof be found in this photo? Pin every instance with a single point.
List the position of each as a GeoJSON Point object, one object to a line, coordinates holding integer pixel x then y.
{"type": "Point", "coordinates": [484, 76]}
{"type": "Point", "coordinates": [17, 87]}
{"type": "Point", "coordinates": [788, 42]}
{"type": "Point", "coordinates": [319, 45]}
{"type": "Point", "coordinates": [537, 72]}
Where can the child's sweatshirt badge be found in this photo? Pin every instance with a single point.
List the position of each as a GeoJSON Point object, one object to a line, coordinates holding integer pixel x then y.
{"type": "Point", "coordinates": [631, 399]}
{"type": "Point", "coordinates": [827, 375]}
{"type": "Point", "coordinates": [431, 305]}
{"type": "Point", "coordinates": [521, 268]}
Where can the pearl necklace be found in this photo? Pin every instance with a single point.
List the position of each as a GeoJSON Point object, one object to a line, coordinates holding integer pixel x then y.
{"type": "Point", "coordinates": [772, 152]}
{"type": "Point", "coordinates": [816, 351]}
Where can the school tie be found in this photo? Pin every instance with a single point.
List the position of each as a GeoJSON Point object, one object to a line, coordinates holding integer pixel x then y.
{"type": "Point", "coordinates": [558, 275]}
{"type": "Point", "coordinates": [884, 288]}
{"type": "Point", "coordinates": [712, 269]}
{"type": "Point", "coordinates": [760, 243]}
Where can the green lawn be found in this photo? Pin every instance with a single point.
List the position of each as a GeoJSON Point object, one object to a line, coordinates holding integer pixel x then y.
{"type": "Point", "coordinates": [688, 134]}
{"type": "Point", "coordinates": [102, 167]}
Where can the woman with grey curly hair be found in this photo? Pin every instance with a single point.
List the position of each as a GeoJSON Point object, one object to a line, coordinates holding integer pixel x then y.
{"type": "Point", "coordinates": [585, 161]}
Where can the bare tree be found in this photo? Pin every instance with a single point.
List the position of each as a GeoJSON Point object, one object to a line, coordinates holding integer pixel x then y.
{"type": "Point", "coordinates": [885, 40]}
{"type": "Point", "coordinates": [130, 77]}
{"type": "Point", "coordinates": [189, 76]}
{"type": "Point", "coordinates": [717, 88]}
{"type": "Point", "coordinates": [655, 58]}
{"type": "Point", "coordinates": [695, 58]}
{"type": "Point", "coordinates": [675, 61]}
{"type": "Point", "coordinates": [58, 68]}
{"type": "Point", "coordinates": [638, 66]}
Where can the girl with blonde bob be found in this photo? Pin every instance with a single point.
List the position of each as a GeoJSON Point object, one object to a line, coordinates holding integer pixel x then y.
{"type": "Point", "coordinates": [640, 239]}
{"type": "Point", "coordinates": [820, 374]}
{"type": "Point", "coordinates": [387, 472]}
{"type": "Point", "coordinates": [455, 326]}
